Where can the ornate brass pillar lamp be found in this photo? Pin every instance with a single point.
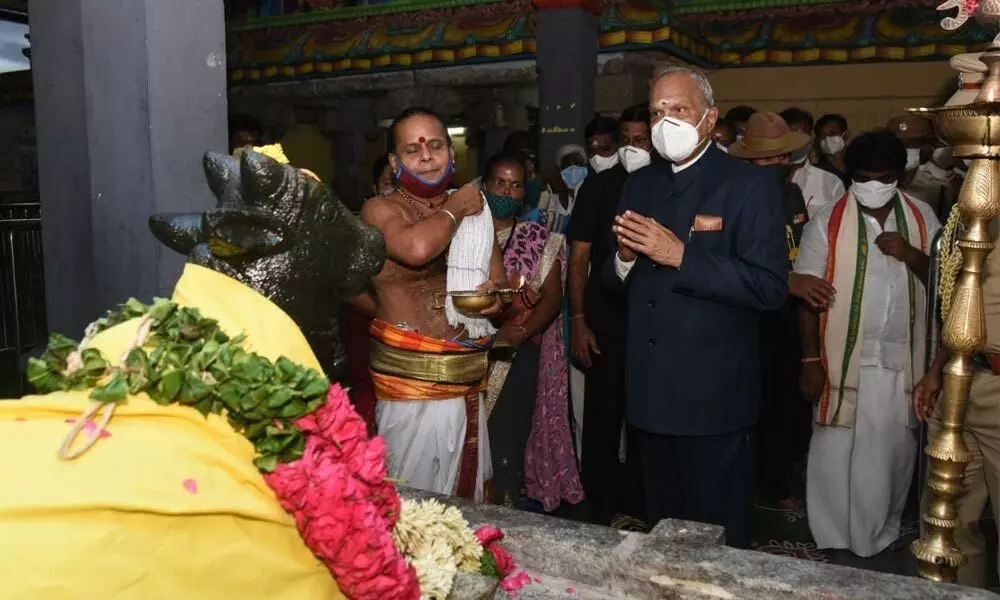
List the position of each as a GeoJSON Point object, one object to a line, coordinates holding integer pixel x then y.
{"type": "Point", "coordinates": [973, 131]}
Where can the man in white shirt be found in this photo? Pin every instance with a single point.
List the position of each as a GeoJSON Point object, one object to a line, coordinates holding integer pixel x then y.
{"type": "Point", "coordinates": [863, 359]}
{"type": "Point", "coordinates": [819, 187]}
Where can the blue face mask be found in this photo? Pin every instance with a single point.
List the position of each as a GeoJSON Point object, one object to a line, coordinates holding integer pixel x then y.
{"type": "Point", "coordinates": [502, 207]}
{"type": "Point", "coordinates": [574, 175]}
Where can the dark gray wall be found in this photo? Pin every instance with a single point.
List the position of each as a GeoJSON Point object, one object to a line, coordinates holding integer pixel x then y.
{"type": "Point", "coordinates": [128, 95]}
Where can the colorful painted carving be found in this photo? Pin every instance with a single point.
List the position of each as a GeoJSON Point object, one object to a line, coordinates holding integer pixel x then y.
{"type": "Point", "coordinates": [423, 33]}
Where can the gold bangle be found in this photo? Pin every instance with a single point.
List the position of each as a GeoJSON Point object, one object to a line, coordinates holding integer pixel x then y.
{"type": "Point", "coordinates": [575, 317]}
{"type": "Point", "coordinates": [452, 215]}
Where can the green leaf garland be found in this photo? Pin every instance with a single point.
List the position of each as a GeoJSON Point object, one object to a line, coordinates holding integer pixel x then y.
{"type": "Point", "coordinates": [188, 360]}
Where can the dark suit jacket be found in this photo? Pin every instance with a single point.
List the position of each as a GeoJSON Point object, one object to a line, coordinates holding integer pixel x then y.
{"type": "Point", "coordinates": [693, 365]}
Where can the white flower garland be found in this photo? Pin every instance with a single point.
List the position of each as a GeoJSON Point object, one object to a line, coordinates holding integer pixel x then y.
{"type": "Point", "coordinates": [439, 543]}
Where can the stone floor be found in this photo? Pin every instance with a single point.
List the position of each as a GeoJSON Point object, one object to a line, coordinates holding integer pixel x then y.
{"type": "Point", "coordinates": [676, 560]}
{"type": "Point", "coordinates": [785, 532]}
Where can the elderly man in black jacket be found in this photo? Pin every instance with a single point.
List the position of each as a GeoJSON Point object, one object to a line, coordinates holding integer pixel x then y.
{"type": "Point", "coordinates": [701, 251]}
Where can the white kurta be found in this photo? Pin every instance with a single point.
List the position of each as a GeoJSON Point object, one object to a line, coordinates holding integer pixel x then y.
{"type": "Point", "coordinates": [819, 188]}
{"type": "Point", "coordinates": [858, 478]}
{"type": "Point", "coordinates": [425, 440]}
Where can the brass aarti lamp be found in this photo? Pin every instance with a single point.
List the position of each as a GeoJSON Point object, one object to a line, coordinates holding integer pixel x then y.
{"type": "Point", "coordinates": [973, 131]}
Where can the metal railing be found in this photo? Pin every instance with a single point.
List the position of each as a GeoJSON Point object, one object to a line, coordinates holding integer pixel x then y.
{"type": "Point", "coordinates": [22, 287]}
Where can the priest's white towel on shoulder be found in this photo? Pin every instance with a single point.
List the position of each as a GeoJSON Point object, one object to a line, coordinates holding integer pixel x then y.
{"type": "Point", "coordinates": [469, 267]}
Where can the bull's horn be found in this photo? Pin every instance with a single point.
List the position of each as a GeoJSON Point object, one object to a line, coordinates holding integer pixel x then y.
{"type": "Point", "coordinates": [178, 231]}
{"type": "Point", "coordinates": [260, 176]}
{"type": "Point", "coordinates": [220, 171]}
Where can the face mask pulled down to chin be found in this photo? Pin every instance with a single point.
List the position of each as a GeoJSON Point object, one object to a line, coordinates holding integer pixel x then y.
{"type": "Point", "coordinates": [676, 140]}
{"type": "Point", "coordinates": [874, 194]}
{"type": "Point", "coordinates": [633, 158]}
{"type": "Point", "coordinates": [420, 186]}
{"type": "Point", "coordinates": [912, 158]}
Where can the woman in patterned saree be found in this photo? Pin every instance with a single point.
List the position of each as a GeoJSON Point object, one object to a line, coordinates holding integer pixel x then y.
{"type": "Point", "coordinates": [528, 397]}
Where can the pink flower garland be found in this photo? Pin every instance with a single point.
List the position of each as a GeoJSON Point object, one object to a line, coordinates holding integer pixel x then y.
{"type": "Point", "coordinates": [344, 505]}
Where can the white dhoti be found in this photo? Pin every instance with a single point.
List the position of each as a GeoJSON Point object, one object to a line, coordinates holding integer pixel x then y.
{"type": "Point", "coordinates": [425, 440]}
{"type": "Point", "coordinates": [858, 478]}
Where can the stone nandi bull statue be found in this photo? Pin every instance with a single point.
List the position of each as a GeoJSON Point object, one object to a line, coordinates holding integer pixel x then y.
{"type": "Point", "coordinates": [281, 232]}
{"type": "Point", "coordinates": [192, 448]}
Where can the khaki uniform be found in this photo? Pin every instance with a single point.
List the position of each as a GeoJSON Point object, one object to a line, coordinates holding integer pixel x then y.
{"type": "Point", "coordinates": [982, 436]}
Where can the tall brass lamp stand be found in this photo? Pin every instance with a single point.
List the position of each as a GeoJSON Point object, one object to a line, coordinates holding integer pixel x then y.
{"type": "Point", "coordinates": [973, 131]}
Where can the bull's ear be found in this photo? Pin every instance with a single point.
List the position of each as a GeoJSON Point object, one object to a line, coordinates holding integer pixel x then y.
{"type": "Point", "coordinates": [178, 231]}
{"type": "Point", "coordinates": [260, 177]}
{"type": "Point", "coordinates": [220, 170]}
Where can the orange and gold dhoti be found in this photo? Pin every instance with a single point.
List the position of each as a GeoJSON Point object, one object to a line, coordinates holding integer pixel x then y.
{"type": "Point", "coordinates": [430, 410]}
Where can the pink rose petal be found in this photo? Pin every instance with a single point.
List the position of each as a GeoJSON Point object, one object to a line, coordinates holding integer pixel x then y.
{"type": "Point", "coordinates": [190, 485]}
{"type": "Point", "coordinates": [513, 583]}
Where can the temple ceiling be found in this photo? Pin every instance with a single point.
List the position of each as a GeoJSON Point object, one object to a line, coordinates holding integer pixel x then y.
{"type": "Point", "coordinates": [291, 40]}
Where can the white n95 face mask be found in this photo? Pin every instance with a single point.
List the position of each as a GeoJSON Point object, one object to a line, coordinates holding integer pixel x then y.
{"type": "Point", "coordinates": [873, 194]}
{"type": "Point", "coordinates": [832, 144]}
{"type": "Point", "coordinates": [674, 139]}
{"type": "Point", "coordinates": [603, 163]}
{"type": "Point", "coordinates": [912, 158]}
{"type": "Point", "coordinates": [633, 158]}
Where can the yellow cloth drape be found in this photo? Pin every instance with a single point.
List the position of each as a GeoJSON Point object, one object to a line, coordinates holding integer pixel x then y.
{"type": "Point", "coordinates": [169, 505]}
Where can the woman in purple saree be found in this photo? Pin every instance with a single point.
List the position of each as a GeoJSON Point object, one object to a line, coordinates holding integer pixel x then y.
{"type": "Point", "coordinates": [528, 397]}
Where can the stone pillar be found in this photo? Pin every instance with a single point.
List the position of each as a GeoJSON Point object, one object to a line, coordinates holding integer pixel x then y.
{"type": "Point", "coordinates": [567, 38]}
{"type": "Point", "coordinates": [350, 127]}
{"type": "Point", "coordinates": [488, 120]}
{"type": "Point", "coordinates": [128, 95]}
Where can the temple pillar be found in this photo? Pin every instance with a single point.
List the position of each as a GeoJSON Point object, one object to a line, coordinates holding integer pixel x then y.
{"type": "Point", "coordinates": [567, 40]}
{"type": "Point", "coordinates": [489, 122]}
{"type": "Point", "coordinates": [350, 127]}
{"type": "Point", "coordinates": [128, 96]}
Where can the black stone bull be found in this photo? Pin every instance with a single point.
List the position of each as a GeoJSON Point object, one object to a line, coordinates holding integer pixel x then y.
{"type": "Point", "coordinates": [282, 232]}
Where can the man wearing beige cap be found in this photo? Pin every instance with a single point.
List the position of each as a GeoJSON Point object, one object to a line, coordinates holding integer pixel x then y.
{"type": "Point", "coordinates": [783, 431]}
